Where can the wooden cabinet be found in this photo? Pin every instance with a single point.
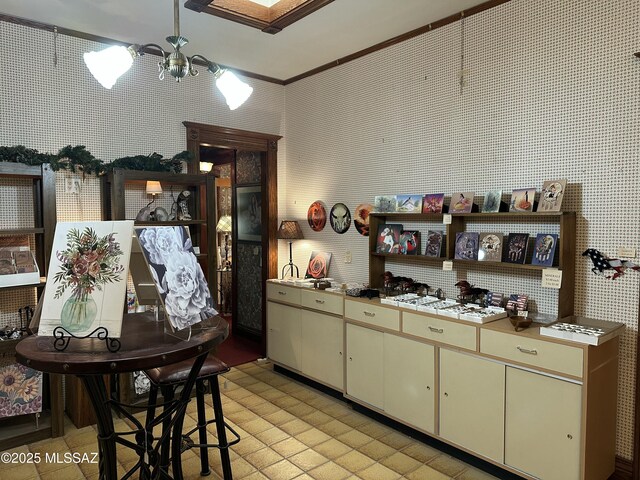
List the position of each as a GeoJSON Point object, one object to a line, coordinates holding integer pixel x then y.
{"type": "Point", "coordinates": [409, 381]}
{"type": "Point", "coordinates": [542, 421]}
{"type": "Point", "coordinates": [472, 403]}
{"type": "Point", "coordinates": [365, 365]}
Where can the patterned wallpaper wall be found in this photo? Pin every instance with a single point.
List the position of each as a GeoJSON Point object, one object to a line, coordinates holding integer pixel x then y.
{"type": "Point", "coordinates": [551, 91]}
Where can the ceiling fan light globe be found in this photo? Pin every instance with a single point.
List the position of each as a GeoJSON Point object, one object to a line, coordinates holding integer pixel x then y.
{"type": "Point", "coordinates": [234, 90]}
{"type": "Point", "coordinates": [109, 64]}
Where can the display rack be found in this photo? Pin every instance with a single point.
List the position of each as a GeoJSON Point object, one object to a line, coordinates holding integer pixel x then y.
{"type": "Point", "coordinates": [566, 251]}
{"type": "Point", "coordinates": [19, 430]}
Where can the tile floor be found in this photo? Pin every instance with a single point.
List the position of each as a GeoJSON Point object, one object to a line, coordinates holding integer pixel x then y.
{"type": "Point", "coordinates": [289, 431]}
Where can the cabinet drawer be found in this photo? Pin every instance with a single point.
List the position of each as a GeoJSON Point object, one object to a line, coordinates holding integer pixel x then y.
{"type": "Point", "coordinates": [372, 314]}
{"type": "Point", "coordinates": [325, 302]}
{"type": "Point", "coordinates": [537, 353]}
{"type": "Point", "coordinates": [436, 329]}
{"type": "Point", "coordinates": [283, 293]}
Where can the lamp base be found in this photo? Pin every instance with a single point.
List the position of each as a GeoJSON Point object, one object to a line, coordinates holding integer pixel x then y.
{"type": "Point", "coordinates": [290, 266]}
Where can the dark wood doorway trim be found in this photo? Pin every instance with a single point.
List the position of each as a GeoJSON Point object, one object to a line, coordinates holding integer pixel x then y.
{"type": "Point", "coordinates": [223, 137]}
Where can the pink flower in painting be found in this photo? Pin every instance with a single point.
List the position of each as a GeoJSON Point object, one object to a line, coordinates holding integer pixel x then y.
{"type": "Point", "coordinates": [90, 256]}
{"type": "Point", "coordinates": [80, 267]}
{"type": "Point", "coordinates": [94, 269]}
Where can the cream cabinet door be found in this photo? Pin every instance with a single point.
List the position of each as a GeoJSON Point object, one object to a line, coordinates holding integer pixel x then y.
{"type": "Point", "coordinates": [283, 334]}
{"type": "Point", "coordinates": [409, 390]}
{"type": "Point", "coordinates": [472, 403]}
{"type": "Point", "coordinates": [321, 348]}
{"type": "Point", "coordinates": [542, 425]}
{"type": "Point", "coordinates": [364, 364]}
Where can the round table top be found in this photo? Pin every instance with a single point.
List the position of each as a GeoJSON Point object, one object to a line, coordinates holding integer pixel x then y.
{"type": "Point", "coordinates": [144, 345]}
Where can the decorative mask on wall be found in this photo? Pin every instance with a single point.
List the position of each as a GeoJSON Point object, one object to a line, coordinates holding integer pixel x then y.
{"type": "Point", "coordinates": [340, 218]}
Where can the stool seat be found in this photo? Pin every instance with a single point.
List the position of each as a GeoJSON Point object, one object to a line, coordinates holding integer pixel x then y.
{"type": "Point", "coordinates": [178, 372]}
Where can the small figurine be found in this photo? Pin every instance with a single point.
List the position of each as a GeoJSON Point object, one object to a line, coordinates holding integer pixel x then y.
{"type": "Point", "coordinates": [470, 293]}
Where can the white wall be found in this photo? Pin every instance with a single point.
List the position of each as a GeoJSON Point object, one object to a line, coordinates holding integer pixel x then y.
{"type": "Point", "coordinates": [552, 92]}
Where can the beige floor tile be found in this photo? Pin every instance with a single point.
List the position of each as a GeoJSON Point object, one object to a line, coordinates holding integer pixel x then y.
{"type": "Point", "coordinates": [425, 472]}
{"type": "Point", "coordinates": [332, 448]}
{"type": "Point", "coordinates": [447, 465]}
{"type": "Point", "coordinates": [283, 470]}
{"type": "Point", "coordinates": [271, 436]}
{"type": "Point", "coordinates": [246, 380]}
{"type": "Point", "coordinates": [396, 440]}
{"type": "Point", "coordinates": [474, 474]}
{"type": "Point", "coordinates": [247, 444]}
{"type": "Point", "coordinates": [313, 437]}
{"type": "Point", "coordinates": [377, 450]}
{"type": "Point", "coordinates": [306, 395]}
{"type": "Point", "coordinates": [255, 476]}
{"type": "Point", "coordinates": [279, 417]}
{"type": "Point", "coordinates": [355, 461]}
{"type": "Point", "coordinates": [263, 458]}
{"type": "Point", "coordinates": [355, 419]}
{"type": "Point", "coordinates": [374, 429]}
{"type": "Point", "coordinates": [317, 417]}
{"type": "Point", "coordinates": [256, 426]}
{"type": "Point", "coordinates": [265, 408]}
{"type": "Point", "coordinates": [238, 393]}
{"type": "Point", "coordinates": [329, 471]}
{"type": "Point", "coordinates": [231, 406]}
{"type": "Point", "coordinates": [401, 463]}
{"type": "Point", "coordinates": [355, 439]}
{"type": "Point", "coordinates": [289, 447]}
{"type": "Point", "coordinates": [271, 395]}
{"type": "Point", "coordinates": [285, 401]}
{"type": "Point", "coordinates": [308, 459]}
{"type": "Point", "coordinates": [23, 471]}
{"type": "Point", "coordinates": [241, 417]}
{"type": "Point", "coordinates": [335, 428]}
{"type": "Point", "coordinates": [251, 401]}
{"type": "Point", "coordinates": [80, 437]}
{"type": "Point", "coordinates": [291, 387]}
{"type": "Point", "coordinates": [301, 409]}
{"type": "Point", "coordinates": [336, 409]}
{"type": "Point", "coordinates": [68, 472]}
{"type": "Point", "coordinates": [295, 427]}
{"type": "Point", "coordinates": [378, 472]}
{"type": "Point", "coordinates": [421, 452]}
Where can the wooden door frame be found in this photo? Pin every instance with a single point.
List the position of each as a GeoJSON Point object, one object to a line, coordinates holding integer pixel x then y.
{"type": "Point", "coordinates": [232, 138]}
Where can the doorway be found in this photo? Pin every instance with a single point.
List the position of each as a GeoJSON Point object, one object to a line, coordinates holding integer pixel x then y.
{"type": "Point", "coordinates": [249, 161]}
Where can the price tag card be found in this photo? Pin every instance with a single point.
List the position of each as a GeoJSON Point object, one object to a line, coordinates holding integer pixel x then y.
{"type": "Point", "coordinates": [551, 278]}
{"type": "Point", "coordinates": [447, 265]}
{"type": "Point", "coordinates": [446, 219]}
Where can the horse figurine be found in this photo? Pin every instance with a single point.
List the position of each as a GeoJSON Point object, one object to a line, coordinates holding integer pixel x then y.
{"type": "Point", "coordinates": [470, 293]}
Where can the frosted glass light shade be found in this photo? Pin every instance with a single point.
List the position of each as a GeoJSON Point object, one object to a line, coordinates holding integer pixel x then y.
{"type": "Point", "coordinates": [235, 91]}
{"type": "Point", "coordinates": [109, 64]}
{"type": "Point", "coordinates": [153, 187]}
{"type": "Point", "coordinates": [206, 167]}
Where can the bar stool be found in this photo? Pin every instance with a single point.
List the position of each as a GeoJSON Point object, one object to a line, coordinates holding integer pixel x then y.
{"type": "Point", "coordinates": [167, 379]}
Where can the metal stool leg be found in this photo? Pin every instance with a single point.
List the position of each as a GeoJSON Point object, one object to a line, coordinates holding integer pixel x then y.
{"type": "Point", "coordinates": [167, 393]}
{"type": "Point", "coordinates": [220, 427]}
{"type": "Point", "coordinates": [201, 389]}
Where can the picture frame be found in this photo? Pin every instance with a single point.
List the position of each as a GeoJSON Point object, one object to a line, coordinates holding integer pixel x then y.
{"type": "Point", "coordinates": [409, 203]}
{"type": "Point", "coordinates": [544, 249]}
{"type": "Point", "coordinates": [461, 202]}
{"type": "Point", "coordinates": [515, 248]}
{"type": "Point", "coordinates": [490, 247]}
{"type": "Point", "coordinates": [317, 216]}
{"type": "Point", "coordinates": [385, 203]}
{"type": "Point", "coordinates": [434, 243]}
{"type": "Point", "coordinates": [522, 200]}
{"type": "Point", "coordinates": [249, 213]}
{"type": "Point", "coordinates": [388, 239]}
{"type": "Point", "coordinates": [466, 246]}
{"type": "Point", "coordinates": [361, 218]}
{"type": "Point", "coordinates": [319, 263]}
{"type": "Point", "coordinates": [433, 203]}
{"type": "Point", "coordinates": [492, 201]}
{"type": "Point", "coordinates": [409, 242]}
{"type": "Point", "coordinates": [551, 195]}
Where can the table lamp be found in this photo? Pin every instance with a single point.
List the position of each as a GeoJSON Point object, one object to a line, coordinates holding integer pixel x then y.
{"type": "Point", "coordinates": [153, 188]}
{"type": "Point", "coordinates": [224, 226]}
{"type": "Point", "coordinates": [290, 230]}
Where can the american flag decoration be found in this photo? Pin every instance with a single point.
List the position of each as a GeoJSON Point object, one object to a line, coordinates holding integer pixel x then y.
{"type": "Point", "coordinates": [494, 299]}
{"type": "Point", "coordinates": [611, 268]}
{"type": "Point", "coordinates": [517, 302]}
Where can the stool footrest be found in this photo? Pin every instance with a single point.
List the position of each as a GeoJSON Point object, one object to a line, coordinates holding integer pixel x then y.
{"type": "Point", "coordinates": [188, 443]}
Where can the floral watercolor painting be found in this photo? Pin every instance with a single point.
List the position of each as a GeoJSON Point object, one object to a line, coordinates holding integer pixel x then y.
{"type": "Point", "coordinates": [87, 274]}
{"type": "Point", "coordinates": [20, 390]}
{"type": "Point", "coordinates": [177, 274]}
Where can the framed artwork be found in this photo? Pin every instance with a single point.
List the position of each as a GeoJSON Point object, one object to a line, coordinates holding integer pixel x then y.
{"type": "Point", "coordinates": [490, 249]}
{"type": "Point", "coordinates": [515, 251]}
{"type": "Point", "coordinates": [467, 246]}
{"type": "Point", "coordinates": [361, 218]}
{"type": "Point", "coordinates": [544, 249]}
{"type": "Point", "coordinates": [177, 274]}
{"type": "Point", "coordinates": [433, 203]}
{"type": "Point", "coordinates": [317, 216]}
{"type": "Point", "coordinates": [434, 243]}
{"type": "Point", "coordinates": [461, 202]}
{"type": "Point", "coordinates": [409, 242]}
{"type": "Point", "coordinates": [551, 195]}
{"type": "Point", "coordinates": [492, 200]}
{"type": "Point", "coordinates": [249, 207]}
{"type": "Point", "coordinates": [388, 240]}
{"type": "Point", "coordinates": [522, 200]}
{"type": "Point", "coordinates": [87, 277]}
{"type": "Point", "coordinates": [340, 218]}
{"type": "Point", "coordinates": [318, 265]}
{"type": "Point", "coordinates": [409, 203]}
{"type": "Point", "coordinates": [21, 391]}
{"type": "Point", "coordinates": [385, 203]}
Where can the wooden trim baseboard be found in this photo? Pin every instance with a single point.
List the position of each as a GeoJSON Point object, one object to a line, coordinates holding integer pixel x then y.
{"type": "Point", "coordinates": [623, 471]}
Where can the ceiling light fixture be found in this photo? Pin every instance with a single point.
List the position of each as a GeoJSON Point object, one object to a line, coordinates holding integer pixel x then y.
{"type": "Point", "coordinates": [109, 64]}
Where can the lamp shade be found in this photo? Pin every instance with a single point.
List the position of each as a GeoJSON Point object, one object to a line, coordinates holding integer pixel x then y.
{"type": "Point", "coordinates": [109, 64]}
{"type": "Point", "coordinates": [206, 167]}
{"type": "Point", "coordinates": [234, 90]}
{"type": "Point", "coordinates": [224, 224]}
{"type": "Point", "coordinates": [290, 230]}
{"type": "Point", "coordinates": [153, 187]}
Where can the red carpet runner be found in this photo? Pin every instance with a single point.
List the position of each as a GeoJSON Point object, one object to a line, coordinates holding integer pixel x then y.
{"type": "Point", "coordinates": [237, 350]}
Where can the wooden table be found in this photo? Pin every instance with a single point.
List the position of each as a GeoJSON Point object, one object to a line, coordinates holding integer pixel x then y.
{"type": "Point", "coordinates": [144, 345]}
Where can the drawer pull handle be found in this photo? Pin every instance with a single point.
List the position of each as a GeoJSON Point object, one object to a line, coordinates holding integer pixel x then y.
{"type": "Point", "coordinates": [319, 301]}
{"type": "Point", "coordinates": [369, 314]}
{"type": "Point", "coordinates": [281, 293]}
{"type": "Point", "coordinates": [428, 387]}
{"type": "Point", "coordinates": [569, 436]}
{"type": "Point", "coordinates": [527, 351]}
{"type": "Point", "coordinates": [436, 330]}
{"type": "Point", "coordinates": [446, 394]}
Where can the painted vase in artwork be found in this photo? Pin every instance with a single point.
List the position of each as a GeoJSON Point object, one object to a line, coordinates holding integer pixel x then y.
{"type": "Point", "coordinates": [78, 313]}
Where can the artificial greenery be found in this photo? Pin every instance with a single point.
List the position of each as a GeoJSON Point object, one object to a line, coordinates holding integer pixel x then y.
{"type": "Point", "coordinates": [79, 159]}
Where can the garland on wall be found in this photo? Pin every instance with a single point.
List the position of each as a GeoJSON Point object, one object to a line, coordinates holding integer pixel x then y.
{"type": "Point", "coordinates": [79, 159]}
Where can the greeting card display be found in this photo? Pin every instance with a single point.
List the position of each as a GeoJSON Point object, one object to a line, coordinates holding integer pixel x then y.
{"type": "Point", "coordinates": [409, 203]}
{"type": "Point", "coordinates": [467, 246]}
{"type": "Point", "coordinates": [409, 242]}
{"type": "Point", "coordinates": [433, 203]}
{"type": "Point", "coordinates": [87, 278]}
{"type": "Point", "coordinates": [318, 265]}
{"type": "Point", "coordinates": [385, 203]}
{"type": "Point", "coordinates": [492, 201]}
{"type": "Point", "coordinates": [522, 200]}
{"type": "Point", "coordinates": [551, 195]}
{"type": "Point", "coordinates": [490, 249]}
{"type": "Point", "coordinates": [434, 243]}
{"type": "Point", "coordinates": [388, 240]}
{"type": "Point", "coordinates": [515, 251]}
{"type": "Point", "coordinates": [544, 249]}
{"type": "Point", "coordinates": [461, 202]}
